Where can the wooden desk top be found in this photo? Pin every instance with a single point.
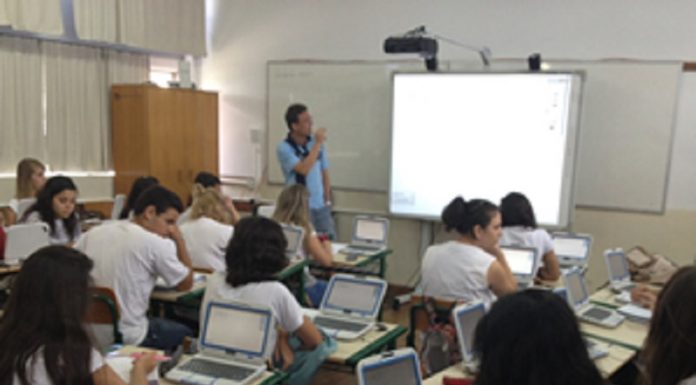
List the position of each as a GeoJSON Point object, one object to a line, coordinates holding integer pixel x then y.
{"type": "Point", "coordinates": [11, 269]}
{"type": "Point", "coordinates": [341, 260]}
{"type": "Point", "coordinates": [629, 334]}
{"type": "Point", "coordinates": [605, 297]}
{"type": "Point", "coordinates": [173, 295]}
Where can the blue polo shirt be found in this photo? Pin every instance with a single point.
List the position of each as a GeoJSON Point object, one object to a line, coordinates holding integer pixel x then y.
{"type": "Point", "coordinates": [289, 157]}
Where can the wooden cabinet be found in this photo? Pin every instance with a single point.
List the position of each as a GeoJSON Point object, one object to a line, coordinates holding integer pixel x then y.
{"type": "Point", "coordinates": [171, 134]}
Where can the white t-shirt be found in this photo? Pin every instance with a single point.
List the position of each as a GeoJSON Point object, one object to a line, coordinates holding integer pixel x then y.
{"type": "Point", "coordinates": [14, 205]}
{"type": "Point", "coordinates": [688, 381]}
{"type": "Point", "coordinates": [37, 374]}
{"type": "Point", "coordinates": [184, 217]}
{"type": "Point", "coordinates": [286, 310]}
{"type": "Point", "coordinates": [528, 237]}
{"type": "Point", "coordinates": [206, 240]}
{"type": "Point", "coordinates": [60, 234]}
{"type": "Point", "coordinates": [128, 259]}
{"type": "Point", "coordinates": [457, 271]}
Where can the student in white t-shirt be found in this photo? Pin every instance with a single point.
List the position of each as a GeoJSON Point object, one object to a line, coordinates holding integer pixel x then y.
{"type": "Point", "coordinates": [255, 255]}
{"type": "Point", "coordinates": [292, 207]}
{"type": "Point", "coordinates": [30, 179]}
{"type": "Point", "coordinates": [208, 230]}
{"type": "Point", "coordinates": [129, 256]}
{"type": "Point", "coordinates": [55, 205]}
{"type": "Point", "coordinates": [472, 267]}
{"type": "Point", "coordinates": [669, 351]}
{"type": "Point", "coordinates": [42, 330]}
{"type": "Point", "coordinates": [520, 229]}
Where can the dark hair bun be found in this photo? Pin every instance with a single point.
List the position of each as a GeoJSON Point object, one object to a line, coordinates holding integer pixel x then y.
{"type": "Point", "coordinates": [453, 213]}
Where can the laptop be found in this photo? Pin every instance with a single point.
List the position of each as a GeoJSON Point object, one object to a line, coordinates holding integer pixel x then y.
{"type": "Point", "coordinates": [580, 302]}
{"type": "Point", "coordinates": [369, 235]}
{"type": "Point", "coordinates": [524, 264]}
{"type": "Point", "coordinates": [350, 306]}
{"type": "Point", "coordinates": [295, 237]}
{"type": "Point", "coordinates": [617, 266]}
{"type": "Point", "coordinates": [572, 250]}
{"type": "Point", "coordinates": [24, 239]}
{"type": "Point", "coordinates": [235, 342]}
{"type": "Point", "coordinates": [397, 367]}
{"type": "Point", "coordinates": [466, 317]}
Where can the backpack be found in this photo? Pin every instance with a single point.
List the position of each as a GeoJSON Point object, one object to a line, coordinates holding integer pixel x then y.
{"type": "Point", "coordinates": [439, 346]}
{"type": "Point", "coordinates": [650, 268]}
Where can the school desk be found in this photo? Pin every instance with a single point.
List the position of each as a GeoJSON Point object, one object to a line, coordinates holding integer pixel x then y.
{"type": "Point", "coordinates": [630, 334]}
{"type": "Point", "coordinates": [359, 265]}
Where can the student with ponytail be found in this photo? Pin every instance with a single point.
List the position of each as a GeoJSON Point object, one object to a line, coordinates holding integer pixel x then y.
{"type": "Point", "coordinates": [471, 267]}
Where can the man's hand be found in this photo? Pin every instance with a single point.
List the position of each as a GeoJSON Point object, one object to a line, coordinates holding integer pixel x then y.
{"type": "Point", "coordinates": [320, 135]}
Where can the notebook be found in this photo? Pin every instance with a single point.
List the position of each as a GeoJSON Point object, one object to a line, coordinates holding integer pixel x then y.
{"type": "Point", "coordinates": [229, 355]}
{"type": "Point", "coordinates": [398, 367]}
{"type": "Point", "coordinates": [617, 267]}
{"type": "Point", "coordinates": [350, 306]}
{"type": "Point", "coordinates": [580, 302]}
{"type": "Point", "coordinates": [466, 317]}
{"type": "Point", "coordinates": [369, 235]}
{"type": "Point", "coordinates": [295, 237]}
{"type": "Point", "coordinates": [572, 249]}
{"type": "Point", "coordinates": [523, 262]}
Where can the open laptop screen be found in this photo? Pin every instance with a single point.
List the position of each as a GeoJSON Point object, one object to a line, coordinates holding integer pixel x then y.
{"type": "Point", "coordinates": [570, 247]}
{"type": "Point", "coordinates": [618, 270]}
{"type": "Point", "coordinates": [359, 296]}
{"type": "Point", "coordinates": [248, 335]}
{"type": "Point", "coordinates": [467, 318]}
{"type": "Point", "coordinates": [370, 230]}
{"type": "Point", "coordinates": [521, 261]}
{"type": "Point", "coordinates": [576, 287]}
{"type": "Point", "coordinates": [400, 370]}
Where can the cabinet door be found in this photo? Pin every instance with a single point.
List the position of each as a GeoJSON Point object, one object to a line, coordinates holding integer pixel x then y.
{"type": "Point", "coordinates": [129, 136]}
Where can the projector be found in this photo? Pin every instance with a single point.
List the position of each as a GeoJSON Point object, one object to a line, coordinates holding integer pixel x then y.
{"type": "Point", "coordinates": [425, 46]}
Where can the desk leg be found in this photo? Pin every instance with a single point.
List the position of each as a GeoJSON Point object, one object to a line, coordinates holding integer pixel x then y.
{"type": "Point", "coordinates": [300, 295]}
{"type": "Point", "coordinates": [382, 266]}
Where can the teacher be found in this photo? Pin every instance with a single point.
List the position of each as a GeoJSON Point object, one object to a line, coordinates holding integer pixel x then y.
{"type": "Point", "coordinates": [302, 158]}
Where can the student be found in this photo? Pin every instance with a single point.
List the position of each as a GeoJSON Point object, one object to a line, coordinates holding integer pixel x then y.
{"type": "Point", "coordinates": [208, 230]}
{"type": "Point", "coordinates": [139, 185]}
{"type": "Point", "coordinates": [670, 348]}
{"type": "Point", "coordinates": [255, 255]}
{"type": "Point", "coordinates": [55, 205]}
{"type": "Point", "coordinates": [292, 207]}
{"type": "Point", "coordinates": [207, 180]}
{"type": "Point", "coordinates": [472, 267]}
{"type": "Point", "coordinates": [532, 338]}
{"type": "Point", "coordinates": [30, 179]}
{"type": "Point", "coordinates": [520, 229]}
{"type": "Point", "coordinates": [43, 338]}
{"type": "Point", "coordinates": [129, 256]}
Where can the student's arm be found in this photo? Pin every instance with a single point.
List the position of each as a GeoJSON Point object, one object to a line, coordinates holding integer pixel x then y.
{"type": "Point", "coordinates": [327, 186]}
{"type": "Point", "coordinates": [319, 250]}
{"type": "Point", "coordinates": [309, 335]}
{"type": "Point", "coordinates": [182, 255]}
{"type": "Point", "coordinates": [233, 210]}
{"type": "Point", "coordinates": [499, 275]}
{"type": "Point", "coordinates": [10, 217]}
{"type": "Point", "coordinates": [306, 164]}
{"type": "Point", "coordinates": [283, 351]}
{"type": "Point", "coordinates": [552, 269]}
{"type": "Point", "coordinates": [141, 368]}
{"type": "Point", "coordinates": [643, 296]}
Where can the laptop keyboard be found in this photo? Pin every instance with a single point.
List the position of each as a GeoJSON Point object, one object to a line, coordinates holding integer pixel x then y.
{"type": "Point", "coordinates": [217, 370]}
{"type": "Point", "coordinates": [597, 313]}
{"type": "Point", "coordinates": [337, 324]}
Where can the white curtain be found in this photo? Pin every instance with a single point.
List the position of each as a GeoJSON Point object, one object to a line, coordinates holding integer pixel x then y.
{"type": "Point", "coordinates": [76, 108]}
{"type": "Point", "coordinates": [40, 16]}
{"type": "Point", "coordinates": [123, 67]}
{"type": "Point", "coordinates": [95, 19]}
{"type": "Point", "coordinates": [21, 116]}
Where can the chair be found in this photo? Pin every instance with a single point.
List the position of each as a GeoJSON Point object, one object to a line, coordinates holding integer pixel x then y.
{"type": "Point", "coordinates": [265, 211]}
{"type": "Point", "coordinates": [119, 202]}
{"type": "Point", "coordinates": [24, 239]}
{"type": "Point", "coordinates": [419, 320]}
{"type": "Point", "coordinates": [104, 310]}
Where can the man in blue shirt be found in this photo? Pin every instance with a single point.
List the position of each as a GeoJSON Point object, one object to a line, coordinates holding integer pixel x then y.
{"type": "Point", "coordinates": [303, 160]}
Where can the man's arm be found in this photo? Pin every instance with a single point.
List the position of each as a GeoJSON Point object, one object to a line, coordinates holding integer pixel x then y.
{"type": "Point", "coordinates": [327, 186]}
{"type": "Point", "coordinates": [182, 255]}
{"type": "Point", "coordinates": [306, 164]}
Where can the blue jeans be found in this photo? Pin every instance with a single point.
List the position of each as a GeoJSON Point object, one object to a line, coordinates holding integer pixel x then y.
{"type": "Point", "coordinates": [316, 292]}
{"type": "Point", "coordinates": [323, 222]}
{"type": "Point", "coordinates": [164, 334]}
{"type": "Point", "coordinates": [307, 362]}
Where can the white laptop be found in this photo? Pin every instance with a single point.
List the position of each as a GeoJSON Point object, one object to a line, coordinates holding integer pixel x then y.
{"type": "Point", "coordinates": [295, 237]}
{"type": "Point", "coordinates": [398, 367]}
{"type": "Point", "coordinates": [466, 317]}
{"type": "Point", "coordinates": [24, 239]}
{"type": "Point", "coordinates": [369, 235]}
{"type": "Point", "coordinates": [572, 250]}
{"type": "Point", "coordinates": [617, 267]}
{"type": "Point", "coordinates": [350, 306]}
{"type": "Point", "coordinates": [579, 300]}
{"type": "Point", "coordinates": [523, 262]}
{"type": "Point", "coordinates": [235, 342]}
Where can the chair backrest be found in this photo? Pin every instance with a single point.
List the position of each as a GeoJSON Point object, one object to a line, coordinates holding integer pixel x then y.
{"type": "Point", "coordinates": [119, 202]}
{"type": "Point", "coordinates": [24, 239]}
{"type": "Point", "coordinates": [265, 211]}
{"type": "Point", "coordinates": [23, 205]}
{"type": "Point", "coordinates": [420, 318]}
{"type": "Point", "coordinates": [104, 309]}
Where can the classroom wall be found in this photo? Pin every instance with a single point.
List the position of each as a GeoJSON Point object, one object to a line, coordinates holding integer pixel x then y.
{"type": "Point", "coordinates": [243, 36]}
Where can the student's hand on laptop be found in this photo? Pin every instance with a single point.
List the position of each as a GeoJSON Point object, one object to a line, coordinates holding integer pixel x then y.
{"type": "Point", "coordinates": [145, 364]}
{"type": "Point", "coordinates": [643, 296]}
